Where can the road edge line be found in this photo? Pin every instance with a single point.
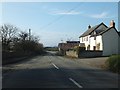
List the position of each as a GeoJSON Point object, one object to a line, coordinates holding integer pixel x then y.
{"type": "Point", "coordinates": [77, 84]}
{"type": "Point", "coordinates": [55, 66]}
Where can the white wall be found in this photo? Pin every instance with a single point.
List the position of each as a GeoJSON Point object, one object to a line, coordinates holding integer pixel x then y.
{"type": "Point", "coordinates": [87, 42]}
{"type": "Point", "coordinates": [95, 42]}
{"type": "Point", "coordinates": [110, 42]}
{"type": "Point", "coordinates": [99, 40]}
{"type": "Point", "coordinates": [92, 43]}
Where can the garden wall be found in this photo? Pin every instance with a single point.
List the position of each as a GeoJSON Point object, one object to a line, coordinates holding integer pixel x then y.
{"type": "Point", "coordinates": [88, 53]}
{"type": "Point", "coordinates": [84, 54]}
{"type": "Point", "coordinates": [72, 53]}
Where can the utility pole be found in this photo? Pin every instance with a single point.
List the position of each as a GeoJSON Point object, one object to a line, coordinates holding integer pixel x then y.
{"type": "Point", "coordinates": [29, 34]}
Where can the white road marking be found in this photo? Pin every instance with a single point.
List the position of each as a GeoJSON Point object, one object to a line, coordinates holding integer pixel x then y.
{"type": "Point", "coordinates": [75, 83]}
{"type": "Point", "coordinates": [55, 66]}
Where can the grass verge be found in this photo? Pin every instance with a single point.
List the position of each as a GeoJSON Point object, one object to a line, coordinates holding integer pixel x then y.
{"type": "Point", "coordinates": [113, 63]}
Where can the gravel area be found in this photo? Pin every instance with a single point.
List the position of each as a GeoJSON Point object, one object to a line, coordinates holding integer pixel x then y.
{"type": "Point", "coordinates": [98, 62]}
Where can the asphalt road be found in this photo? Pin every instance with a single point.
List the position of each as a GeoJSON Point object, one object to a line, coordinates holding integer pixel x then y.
{"type": "Point", "coordinates": [52, 71]}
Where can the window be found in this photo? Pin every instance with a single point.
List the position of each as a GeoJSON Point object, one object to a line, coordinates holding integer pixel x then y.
{"type": "Point", "coordinates": [94, 37]}
{"type": "Point", "coordinates": [82, 39]}
{"type": "Point", "coordinates": [88, 47]}
{"type": "Point", "coordinates": [94, 32]}
{"type": "Point", "coordinates": [98, 46]}
{"type": "Point", "coordinates": [94, 47]}
{"type": "Point", "coordinates": [87, 39]}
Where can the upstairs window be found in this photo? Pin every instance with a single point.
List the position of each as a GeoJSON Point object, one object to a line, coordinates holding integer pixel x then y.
{"type": "Point", "coordinates": [94, 32]}
{"type": "Point", "coordinates": [94, 37]}
{"type": "Point", "coordinates": [87, 39]}
{"type": "Point", "coordinates": [82, 39]}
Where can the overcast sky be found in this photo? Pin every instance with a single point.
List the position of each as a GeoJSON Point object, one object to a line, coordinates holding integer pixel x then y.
{"type": "Point", "coordinates": [56, 21]}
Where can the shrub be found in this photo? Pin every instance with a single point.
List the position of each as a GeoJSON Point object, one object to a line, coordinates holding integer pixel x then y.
{"type": "Point", "coordinates": [51, 48]}
{"type": "Point", "coordinates": [59, 54]}
{"type": "Point", "coordinates": [79, 49]}
{"type": "Point", "coordinates": [113, 63]}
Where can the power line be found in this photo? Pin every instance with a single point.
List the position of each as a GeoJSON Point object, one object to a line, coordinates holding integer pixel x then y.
{"type": "Point", "coordinates": [55, 20]}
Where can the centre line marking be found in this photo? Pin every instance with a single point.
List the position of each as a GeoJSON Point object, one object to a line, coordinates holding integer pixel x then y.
{"type": "Point", "coordinates": [75, 83]}
{"type": "Point", "coordinates": [55, 66]}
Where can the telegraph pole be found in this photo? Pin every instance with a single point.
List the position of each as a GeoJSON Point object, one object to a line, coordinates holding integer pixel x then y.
{"type": "Point", "coordinates": [29, 34]}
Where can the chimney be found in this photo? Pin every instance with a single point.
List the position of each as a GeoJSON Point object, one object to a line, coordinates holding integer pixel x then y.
{"type": "Point", "coordinates": [89, 27]}
{"type": "Point", "coordinates": [112, 23]}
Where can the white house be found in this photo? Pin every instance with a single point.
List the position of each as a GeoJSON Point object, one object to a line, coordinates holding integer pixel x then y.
{"type": "Point", "coordinates": [103, 38]}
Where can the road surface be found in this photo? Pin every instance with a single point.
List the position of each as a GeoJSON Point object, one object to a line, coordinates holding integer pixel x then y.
{"type": "Point", "coordinates": [52, 71]}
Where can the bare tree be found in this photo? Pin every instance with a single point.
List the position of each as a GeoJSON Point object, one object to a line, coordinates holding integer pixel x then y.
{"type": "Point", "coordinates": [7, 33]}
{"type": "Point", "coordinates": [23, 35]}
{"type": "Point", "coordinates": [35, 38]}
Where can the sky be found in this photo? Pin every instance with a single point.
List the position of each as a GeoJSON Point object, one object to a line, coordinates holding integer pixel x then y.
{"type": "Point", "coordinates": [56, 22]}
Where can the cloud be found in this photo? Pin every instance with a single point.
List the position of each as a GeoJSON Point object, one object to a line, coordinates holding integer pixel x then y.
{"type": "Point", "coordinates": [65, 13]}
{"type": "Point", "coordinates": [101, 15]}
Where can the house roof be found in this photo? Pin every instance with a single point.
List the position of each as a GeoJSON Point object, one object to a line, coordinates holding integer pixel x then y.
{"type": "Point", "coordinates": [100, 33]}
{"type": "Point", "coordinates": [119, 33]}
{"type": "Point", "coordinates": [105, 30]}
{"type": "Point", "coordinates": [109, 29]}
{"type": "Point", "coordinates": [89, 31]}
